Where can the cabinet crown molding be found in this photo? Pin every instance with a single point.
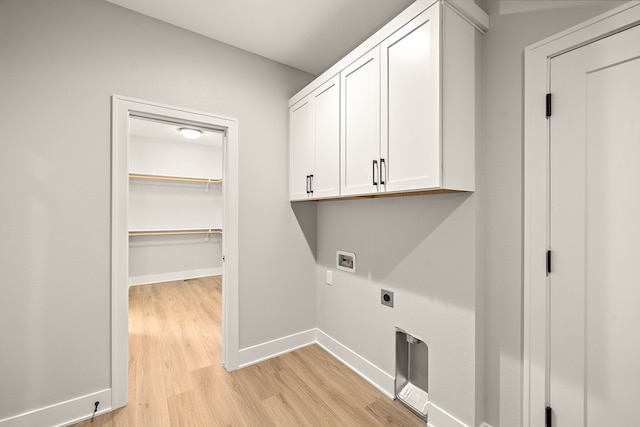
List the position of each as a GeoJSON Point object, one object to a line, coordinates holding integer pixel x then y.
{"type": "Point", "coordinates": [467, 9]}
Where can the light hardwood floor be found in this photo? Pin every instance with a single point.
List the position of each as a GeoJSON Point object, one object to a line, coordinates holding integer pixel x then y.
{"type": "Point", "coordinates": [176, 376]}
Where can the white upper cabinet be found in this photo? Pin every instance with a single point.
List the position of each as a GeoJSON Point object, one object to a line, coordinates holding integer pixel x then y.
{"type": "Point", "coordinates": [315, 143]}
{"type": "Point", "coordinates": [360, 131]}
{"type": "Point", "coordinates": [410, 94]}
{"type": "Point", "coordinates": [406, 106]}
{"type": "Point", "coordinates": [326, 179]}
{"type": "Point", "coordinates": [302, 147]}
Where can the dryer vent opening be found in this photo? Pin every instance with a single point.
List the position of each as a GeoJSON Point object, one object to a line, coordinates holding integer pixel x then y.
{"type": "Point", "coordinates": [412, 373]}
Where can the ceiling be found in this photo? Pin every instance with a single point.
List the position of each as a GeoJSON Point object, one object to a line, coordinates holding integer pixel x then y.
{"type": "Point", "coordinates": [310, 35]}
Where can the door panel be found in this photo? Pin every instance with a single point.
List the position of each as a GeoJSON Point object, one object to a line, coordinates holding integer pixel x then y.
{"type": "Point", "coordinates": [361, 124]}
{"type": "Point", "coordinates": [594, 345]}
{"type": "Point", "coordinates": [411, 105]}
{"type": "Point", "coordinates": [302, 148]}
{"type": "Point", "coordinates": [326, 179]}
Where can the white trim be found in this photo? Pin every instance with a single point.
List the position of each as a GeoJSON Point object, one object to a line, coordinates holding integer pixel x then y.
{"type": "Point", "coordinates": [358, 364]}
{"type": "Point", "coordinates": [536, 136]}
{"type": "Point", "coordinates": [472, 13]}
{"type": "Point", "coordinates": [122, 108]}
{"type": "Point", "coordinates": [438, 417]}
{"type": "Point", "coordinates": [174, 275]}
{"type": "Point", "coordinates": [270, 349]}
{"type": "Point", "coordinates": [63, 413]}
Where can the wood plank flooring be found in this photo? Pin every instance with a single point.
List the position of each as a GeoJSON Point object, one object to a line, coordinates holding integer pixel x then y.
{"type": "Point", "coordinates": [176, 376]}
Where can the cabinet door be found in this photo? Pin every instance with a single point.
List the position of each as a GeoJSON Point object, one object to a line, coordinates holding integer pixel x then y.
{"type": "Point", "coordinates": [302, 148]}
{"type": "Point", "coordinates": [410, 74]}
{"type": "Point", "coordinates": [360, 125]}
{"type": "Point", "coordinates": [326, 178]}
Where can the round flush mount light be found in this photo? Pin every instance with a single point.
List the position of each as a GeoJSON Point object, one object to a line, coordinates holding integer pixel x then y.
{"type": "Point", "coordinates": [190, 133]}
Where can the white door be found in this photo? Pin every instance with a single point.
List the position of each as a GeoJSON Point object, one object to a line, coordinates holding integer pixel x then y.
{"type": "Point", "coordinates": [326, 178]}
{"type": "Point", "coordinates": [410, 134]}
{"type": "Point", "coordinates": [360, 125]}
{"type": "Point", "coordinates": [594, 316]}
{"type": "Point", "coordinates": [302, 148]}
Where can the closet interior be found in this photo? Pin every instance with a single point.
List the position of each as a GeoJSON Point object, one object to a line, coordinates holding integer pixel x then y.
{"type": "Point", "coordinates": [175, 201]}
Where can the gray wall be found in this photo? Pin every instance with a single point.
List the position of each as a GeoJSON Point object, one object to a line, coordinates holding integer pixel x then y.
{"type": "Point", "coordinates": [503, 48]}
{"type": "Point", "coordinates": [423, 248]}
{"type": "Point", "coordinates": [60, 63]}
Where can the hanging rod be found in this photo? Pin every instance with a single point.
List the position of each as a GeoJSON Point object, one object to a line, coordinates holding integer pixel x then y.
{"type": "Point", "coordinates": [175, 232]}
{"type": "Point", "coordinates": [175, 178]}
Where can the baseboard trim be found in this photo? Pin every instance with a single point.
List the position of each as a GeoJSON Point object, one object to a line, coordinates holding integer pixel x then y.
{"type": "Point", "coordinates": [378, 378]}
{"type": "Point", "coordinates": [64, 413]}
{"type": "Point", "coordinates": [177, 275]}
{"type": "Point", "coordinates": [375, 376]}
{"type": "Point", "coordinates": [270, 349]}
{"type": "Point", "coordinates": [358, 364]}
{"type": "Point", "coordinates": [438, 417]}
{"type": "Point", "coordinates": [81, 408]}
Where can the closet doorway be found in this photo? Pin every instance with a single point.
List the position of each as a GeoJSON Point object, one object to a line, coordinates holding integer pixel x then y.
{"type": "Point", "coordinates": [172, 200]}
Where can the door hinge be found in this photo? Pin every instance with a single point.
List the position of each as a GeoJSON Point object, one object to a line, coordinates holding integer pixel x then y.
{"type": "Point", "coordinates": [547, 417]}
{"type": "Point", "coordinates": [548, 105]}
{"type": "Point", "coordinates": [548, 262]}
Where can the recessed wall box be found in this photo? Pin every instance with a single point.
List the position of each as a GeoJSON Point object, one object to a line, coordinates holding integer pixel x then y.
{"type": "Point", "coordinates": [346, 261]}
{"type": "Point", "coordinates": [412, 373]}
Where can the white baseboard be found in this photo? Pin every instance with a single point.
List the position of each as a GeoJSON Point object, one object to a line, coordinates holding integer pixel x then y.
{"type": "Point", "coordinates": [63, 413]}
{"type": "Point", "coordinates": [177, 275]}
{"type": "Point", "coordinates": [81, 408]}
{"type": "Point", "coordinates": [270, 349]}
{"type": "Point", "coordinates": [361, 366]}
{"type": "Point", "coordinates": [438, 417]}
{"type": "Point", "coordinates": [381, 380]}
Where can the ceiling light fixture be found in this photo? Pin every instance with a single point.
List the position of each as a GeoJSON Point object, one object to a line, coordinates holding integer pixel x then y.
{"type": "Point", "coordinates": [190, 133]}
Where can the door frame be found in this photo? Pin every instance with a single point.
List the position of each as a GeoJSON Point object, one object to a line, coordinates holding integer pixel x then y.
{"type": "Point", "coordinates": [536, 196]}
{"type": "Point", "coordinates": [122, 109]}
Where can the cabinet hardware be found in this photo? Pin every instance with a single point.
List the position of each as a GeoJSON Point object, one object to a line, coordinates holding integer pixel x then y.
{"type": "Point", "coordinates": [311, 184]}
{"type": "Point", "coordinates": [383, 172]}
{"type": "Point", "coordinates": [375, 171]}
{"type": "Point", "coordinates": [307, 185]}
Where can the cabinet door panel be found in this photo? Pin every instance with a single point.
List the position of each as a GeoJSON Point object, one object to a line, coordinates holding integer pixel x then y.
{"type": "Point", "coordinates": [360, 124]}
{"type": "Point", "coordinates": [411, 105]}
{"type": "Point", "coordinates": [302, 148]}
{"type": "Point", "coordinates": [326, 179]}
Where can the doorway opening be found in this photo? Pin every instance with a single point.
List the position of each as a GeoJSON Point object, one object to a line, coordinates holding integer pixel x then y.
{"type": "Point", "coordinates": [170, 206]}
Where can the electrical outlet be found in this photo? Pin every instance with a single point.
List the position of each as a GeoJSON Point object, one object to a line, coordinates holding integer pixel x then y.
{"type": "Point", "coordinates": [329, 277]}
{"type": "Point", "coordinates": [386, 298]}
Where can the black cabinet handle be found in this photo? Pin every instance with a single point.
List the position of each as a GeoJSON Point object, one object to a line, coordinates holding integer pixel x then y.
{"type": "Point", "coordinates": [307, 184]}
{"type": "Point", "coordinates": [375, 170]}
{"type": "Point", "coordinates": [382, 172]}
{"type": "Point", "coordinates": [311, 184]}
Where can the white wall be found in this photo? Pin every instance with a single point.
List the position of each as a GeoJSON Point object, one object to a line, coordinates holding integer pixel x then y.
{"type": "Point", "coordinates": [503, 48]}
{"type": "Point", "coordinates": [60, 63]}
